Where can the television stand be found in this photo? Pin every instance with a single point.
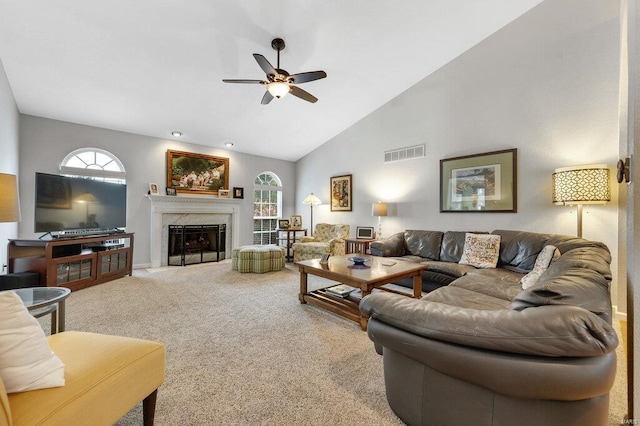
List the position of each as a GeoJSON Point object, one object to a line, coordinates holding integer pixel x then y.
{"type": "Point", "coordinates": [72, 262]}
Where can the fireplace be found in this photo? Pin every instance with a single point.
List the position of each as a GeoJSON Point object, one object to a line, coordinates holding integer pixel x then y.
{"type": "Point", "coordinates": [189, 244]}
{"type": "Point", "coordinates": [191, 210]}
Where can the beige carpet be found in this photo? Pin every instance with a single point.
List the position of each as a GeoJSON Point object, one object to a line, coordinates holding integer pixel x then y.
{"type": "Point", "coordinates": [241, 349]}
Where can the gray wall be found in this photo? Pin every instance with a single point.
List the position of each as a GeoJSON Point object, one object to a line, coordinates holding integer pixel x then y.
{"type": "Point", "coordinates": [546, 84]}
{"type": "Point", "coordinates": [9, 125]}
{"type": "Point", "coordinates": [44, 143]}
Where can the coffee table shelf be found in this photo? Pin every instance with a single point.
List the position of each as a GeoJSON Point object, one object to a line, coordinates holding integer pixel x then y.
{"type": "Point", "coordinates": [339, 268]}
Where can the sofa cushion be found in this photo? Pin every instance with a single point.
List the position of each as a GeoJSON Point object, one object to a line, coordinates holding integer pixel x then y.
{"type": "Point", "coordinates": [455, 270]}
{"type": "Point", "coordinates": [548, 255]}
{"type": "Point", "coordinates": [26, 361]}
{"type": "Point", "coordinates": [425, 244]}
{"type": "Point", "coordinates": [481, 250]}
{"type": "Point", "coordinates": [452, 246]}
{"type": "Point", "coordinates": [497, 283]}
{"type": "Point", "coordinates": [577, 278]}
{"type": "Point", "coordinates": [392, 246]}
{"type": "Point", "coordinates": [466, 298]}
{"type": "Point", "coordinates": [519, 249]}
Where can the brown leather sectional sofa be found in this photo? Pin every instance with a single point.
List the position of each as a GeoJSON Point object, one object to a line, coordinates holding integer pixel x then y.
{"type": "Point", "coordinates": [479, 349]}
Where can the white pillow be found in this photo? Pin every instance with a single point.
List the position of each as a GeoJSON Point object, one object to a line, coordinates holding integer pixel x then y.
{"type": "Point", "coordinates": [26, 360]}
{"type": "Point", "coordinates": [546, 257]}
{"type": "Point", "coordinates": [481, 250]}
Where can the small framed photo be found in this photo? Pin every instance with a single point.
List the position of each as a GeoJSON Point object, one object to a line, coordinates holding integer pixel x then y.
{"type": "Point", "coordinates": [171, 191]}
{"type": "Point", "coordinates": [238, 192]}
{"type": "Point", "coordinates": [295, 221]}
{"type": "Point", "coordinates": [224, 193]}
{"type": "Point", "coordinates": [153, 189]}
{"type": "Point", "coordinates": [283, 224]}
{"type": "Point", "coordinates": [364, 232]}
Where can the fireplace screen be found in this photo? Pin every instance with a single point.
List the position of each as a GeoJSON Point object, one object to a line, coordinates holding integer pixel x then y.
{"type": "Point", "coordinates": [190, 244]}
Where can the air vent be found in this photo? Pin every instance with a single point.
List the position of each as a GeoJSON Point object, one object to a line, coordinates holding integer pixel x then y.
{"type": "Point", "coordinates": [408, 153]}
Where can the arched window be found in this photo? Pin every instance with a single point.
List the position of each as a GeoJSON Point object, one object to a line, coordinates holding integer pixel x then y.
{"type": "Point", "coordinates": [267, 207]}
{"type": "Point", "coordinates": [93, 163]}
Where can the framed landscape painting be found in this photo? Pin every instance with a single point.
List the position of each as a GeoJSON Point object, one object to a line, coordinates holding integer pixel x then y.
{"type": "Point", "coordinates": [479, 183]}
{"type": "Point", "coordinates": [341, 193]}
{"type": "Point", "coordinates": [188, 172]}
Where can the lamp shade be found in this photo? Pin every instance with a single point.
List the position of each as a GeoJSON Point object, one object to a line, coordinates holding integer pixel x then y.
{"type": "Point", "coordinates": [587, 184]}
{"type": "Point", "coordinates": [312, 200]}
{"type": "Point", "coordinates": [379, 209]}
{"type": "Point", "coordinates": [9, 201]}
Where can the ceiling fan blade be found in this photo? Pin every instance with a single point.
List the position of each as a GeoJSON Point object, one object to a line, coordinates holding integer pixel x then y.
{"type": "Point", "coordinates": [296, 91]}
{"type": "Point", "coordinates": [303, 77]}
{"type": "Point", "coordinates": [264, 64]}
{"type": "Point", "coordinates": [266, 98]}
{"type": "Point", "coordinates": [244, 81]}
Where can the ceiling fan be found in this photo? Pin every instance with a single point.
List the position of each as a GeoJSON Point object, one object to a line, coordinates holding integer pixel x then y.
{"type": "Point", "coordinates": [279, 82]}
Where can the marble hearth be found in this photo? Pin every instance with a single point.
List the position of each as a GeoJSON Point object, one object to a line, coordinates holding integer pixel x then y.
{"type": "Point", "coordinates": [190, 210]}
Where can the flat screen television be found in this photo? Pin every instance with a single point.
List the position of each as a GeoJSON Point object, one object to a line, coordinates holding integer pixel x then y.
{"type": "Point", "coordinates": [71, 203]}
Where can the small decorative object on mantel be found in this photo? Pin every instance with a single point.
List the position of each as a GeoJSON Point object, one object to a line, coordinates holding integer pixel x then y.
{"type": "Point", "coordinates": [480, 183]}
{"type": "Point", "coordinates": [196, 173]}
{"type": "Point", "coordinates": [224, 193]}
{"type": "Point", "coordinates": [238, 192]}
{"type": "Point", "coordinates": [295, 221]}
{"type": "Point", "coordinates": [153, 189]}
{"type": "Point", "coordinates": [171, 191]}
{"type": "Point", "coordinates": [341, 193]}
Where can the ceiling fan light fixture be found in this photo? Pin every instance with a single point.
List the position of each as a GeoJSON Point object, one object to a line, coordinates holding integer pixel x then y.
{"type": "Point", "coordinates": [278, 89]}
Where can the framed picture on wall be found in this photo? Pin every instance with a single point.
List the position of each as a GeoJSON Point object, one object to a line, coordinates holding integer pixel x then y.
{"type": "Point", "coordinates": [238, 192]}
{"type": "Point", "coordinates": [479, 183]}
{"type": "Point", "coordinates": [188, 172]}
{"type": "Point", "coordinates": [341, 193]}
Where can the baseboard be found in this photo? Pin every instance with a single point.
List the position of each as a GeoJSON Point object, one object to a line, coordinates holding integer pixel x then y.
{"type": "Point", "coordinates": [142, 266]}
{"type": "Point", "coordinates": [621, 316]}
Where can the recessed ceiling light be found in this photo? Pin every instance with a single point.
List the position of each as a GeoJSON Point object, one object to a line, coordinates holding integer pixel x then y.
{"type": "Point", "coordinates": [176, 133]}
{"type": "Point", "coordinates": [228, 144]}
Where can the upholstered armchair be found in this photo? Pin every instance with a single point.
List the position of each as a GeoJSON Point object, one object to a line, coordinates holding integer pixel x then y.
{"type": "Point", "coordinates": [327, 239]}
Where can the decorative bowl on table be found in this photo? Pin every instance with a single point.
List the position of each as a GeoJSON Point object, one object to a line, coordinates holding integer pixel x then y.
{"type": "Point", "coordinates": [358, 260]}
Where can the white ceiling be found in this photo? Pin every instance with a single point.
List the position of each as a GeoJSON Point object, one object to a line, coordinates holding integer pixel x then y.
{"type": "Point", "coordinates": [152, 66]}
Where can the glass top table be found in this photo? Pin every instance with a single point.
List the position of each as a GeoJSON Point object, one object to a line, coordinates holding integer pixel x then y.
{"type": "Point", "coordinates": [41, 301]}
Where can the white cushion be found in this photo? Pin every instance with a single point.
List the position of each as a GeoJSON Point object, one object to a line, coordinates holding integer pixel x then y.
{"type": "Point", "coordinates": [26, 360]}
{"type": "Point", "coordinates": [481, 250]}
{"type": "Point", "coordinates": [546, 257]}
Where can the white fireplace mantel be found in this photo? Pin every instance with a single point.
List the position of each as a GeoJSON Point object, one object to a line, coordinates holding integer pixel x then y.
{"type": "Point", "coordinates": [167, 204]}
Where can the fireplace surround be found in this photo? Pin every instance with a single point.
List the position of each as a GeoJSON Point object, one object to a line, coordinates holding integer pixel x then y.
{"type": "Point", "coordinates": [190, 210]}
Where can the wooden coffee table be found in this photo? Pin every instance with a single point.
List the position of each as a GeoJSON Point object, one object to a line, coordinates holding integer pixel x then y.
{"type": "Point", "coordinates": [342, 270]}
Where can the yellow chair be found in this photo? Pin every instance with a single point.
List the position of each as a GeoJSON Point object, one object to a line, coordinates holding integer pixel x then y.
{"type": "Point", "coordinates": [105, 377]}
{"type": "Point", "coordinates": [327, 239]}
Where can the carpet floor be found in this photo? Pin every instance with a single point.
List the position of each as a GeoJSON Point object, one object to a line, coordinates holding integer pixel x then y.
{"type": "Point", "coordinates": [241, 349]}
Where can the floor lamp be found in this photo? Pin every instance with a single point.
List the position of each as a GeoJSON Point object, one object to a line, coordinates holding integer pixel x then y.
{"type": "Point", "coordinates": [579, 185]}
{"type": "Point", "coordinates": [312, 200]}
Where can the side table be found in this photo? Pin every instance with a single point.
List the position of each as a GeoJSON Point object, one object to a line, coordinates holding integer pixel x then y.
{"type": "Point", "coordinates": [357, 245]}
{"type": "Point", "coordinates": [291, 237]}
{"type": "Point", "coordinates": [41, 301]}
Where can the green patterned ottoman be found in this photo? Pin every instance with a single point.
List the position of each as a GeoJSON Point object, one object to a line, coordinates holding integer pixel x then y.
{"type": "Point", "coordinates": [258, 259]}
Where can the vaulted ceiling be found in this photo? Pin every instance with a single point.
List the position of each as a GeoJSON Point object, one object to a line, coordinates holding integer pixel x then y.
{"type": "Point", "coordinates": [150, 67]}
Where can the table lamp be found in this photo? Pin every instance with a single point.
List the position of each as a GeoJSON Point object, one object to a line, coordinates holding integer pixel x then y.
{"type": "Point", "coordinates": [379, 209]}
{"type": "Point", "coordinates": [579, 185]}
{"type": "Point", "coordinates": [9, 200]}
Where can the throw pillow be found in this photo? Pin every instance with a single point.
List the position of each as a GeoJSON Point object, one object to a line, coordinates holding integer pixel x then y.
{"type": "Point", "coordinates": [481, 250]}
{"type": "Point", "coordinates": [546, 257]}
{"type": "Point", "coordinates": [26, 360]}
